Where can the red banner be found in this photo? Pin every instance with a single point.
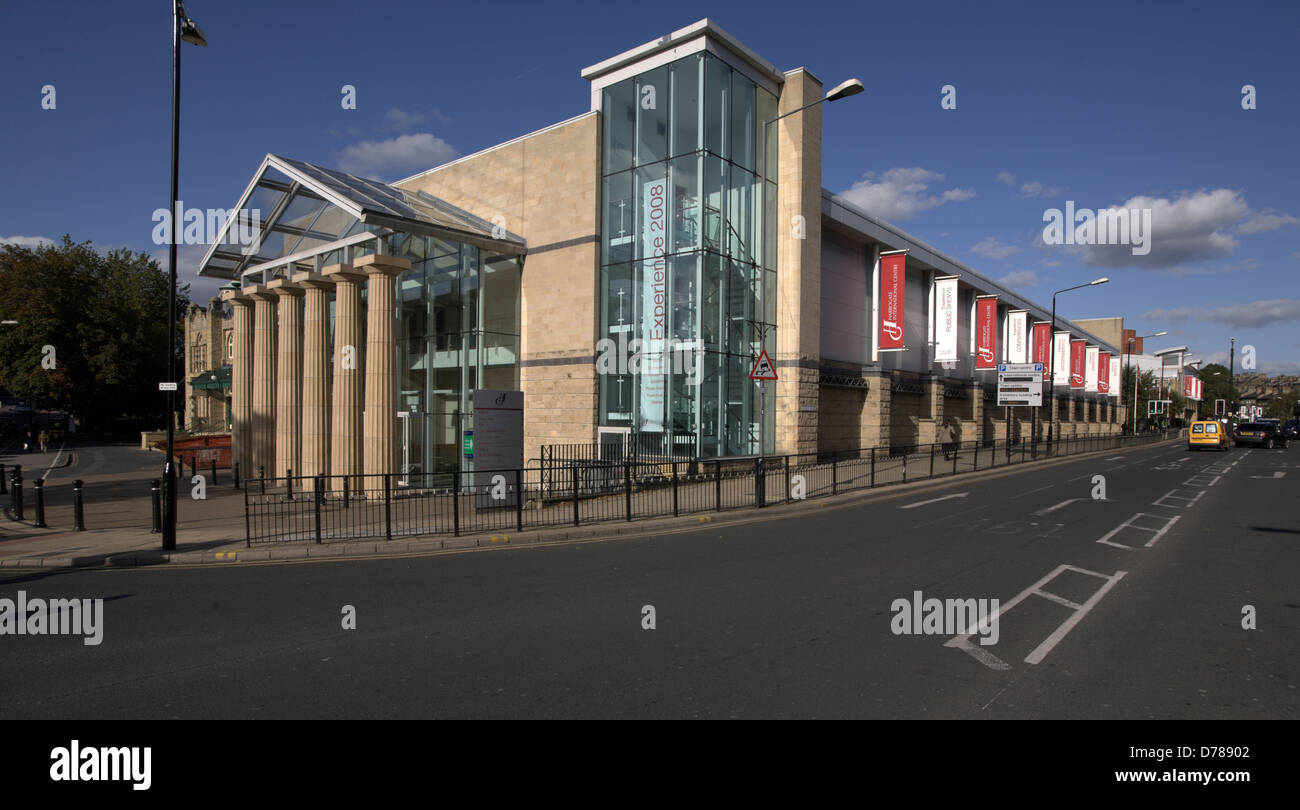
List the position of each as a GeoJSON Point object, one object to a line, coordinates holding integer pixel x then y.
{"type": "Point", "coordinates": [1042, 344]}
{"type": "Point", "coordinates": [1078, 352]}
{"type": "Point", "coordinates": [1188, 385]}
{"type": "Point", "coordinates": [893, 275]}
{"type": "Point", "coordinates": [1103, 372]}
{"type": "Point", "coordinates": [986, 332]}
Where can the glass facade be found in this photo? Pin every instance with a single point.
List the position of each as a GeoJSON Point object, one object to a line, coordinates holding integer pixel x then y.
{"type": "Point", "coordinates": [458, 330]}
{"type": "Point", "coordinates": [688, 294]}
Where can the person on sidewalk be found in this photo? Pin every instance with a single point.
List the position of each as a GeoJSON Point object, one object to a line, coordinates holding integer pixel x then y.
{"type": "Point", "coordinates": [45, 440]}
{"type": "Point", "coordinates": [29, 443]}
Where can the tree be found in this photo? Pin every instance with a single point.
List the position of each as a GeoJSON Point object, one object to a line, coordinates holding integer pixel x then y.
{"type": "Point", "coordinates": [91, 336]}
{"type": "Point", "coordinates": [1214, 379]}
{"type": "Point", "coordinates": [1283, 406]}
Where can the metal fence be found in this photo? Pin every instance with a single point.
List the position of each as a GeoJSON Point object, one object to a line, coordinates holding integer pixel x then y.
{"type": "Point", "coordinates": [337, 508]}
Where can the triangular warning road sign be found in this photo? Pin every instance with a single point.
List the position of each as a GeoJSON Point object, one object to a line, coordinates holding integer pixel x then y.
{"type": "Point", "coordinates": [763, 369]}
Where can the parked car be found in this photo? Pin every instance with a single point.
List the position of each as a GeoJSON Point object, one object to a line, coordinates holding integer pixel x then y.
{"type": "Point", "coordinates": [1209, 434]}
{"type": "Point", "coordinates": [1263, 434]}
{"type": "Point", "coordinates": [23, 407]}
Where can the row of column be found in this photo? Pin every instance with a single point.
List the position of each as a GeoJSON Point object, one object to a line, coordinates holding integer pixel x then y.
{"type": "Point", "coordinates": [285, 415]}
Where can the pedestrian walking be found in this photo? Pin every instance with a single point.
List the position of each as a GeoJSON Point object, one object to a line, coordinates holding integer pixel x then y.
{"type": "Point", "coordinates": [45, 440]}
{"type": "Point", "coordinates": [29, 443]}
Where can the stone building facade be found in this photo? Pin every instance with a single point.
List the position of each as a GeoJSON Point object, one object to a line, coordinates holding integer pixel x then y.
{"type": "Point", "coordinates": [683, 214]}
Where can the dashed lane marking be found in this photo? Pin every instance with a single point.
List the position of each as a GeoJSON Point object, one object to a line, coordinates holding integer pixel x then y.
{"type": "Point", "coordinates": [1135, 523]}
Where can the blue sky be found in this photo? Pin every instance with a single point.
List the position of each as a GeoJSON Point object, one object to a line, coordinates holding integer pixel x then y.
{"type": "Point", "coordinates": [1106, 104]}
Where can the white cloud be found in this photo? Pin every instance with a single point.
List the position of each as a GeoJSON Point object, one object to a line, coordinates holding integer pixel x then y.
{"type": "Point", "coordinates": [1007, 178]}
{"type": "Point", "coordinates": [1020, 278]}
{"type": "Point", "coordinates": [399, 120]}
{"type": "Point", "coordinates": [1254, 314]}
{"type": "Point", "coordinates": [993, 249]}
{"type": "Point", "coordinates": [1260, 223]}
{"type": "Point", "coordinates": [1051, 263]}
{"type": "Point", "coordinates": [403, 153]}
{"type": "Point", "coordinates": [900, 193]}
{"type": "Point", "coordinates": [1036, 189]}
{"type": "Point", "coordinates": [1193, 227]}
{"type": "Point", "coordinates": [31, 242]}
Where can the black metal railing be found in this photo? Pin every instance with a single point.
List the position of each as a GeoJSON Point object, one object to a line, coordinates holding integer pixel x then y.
{"type": "Point", "coordinates": [337, 508]}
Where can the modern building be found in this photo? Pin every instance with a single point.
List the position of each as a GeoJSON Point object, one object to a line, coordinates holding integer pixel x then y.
{"type": "Point", "coordinates": [624, 268]}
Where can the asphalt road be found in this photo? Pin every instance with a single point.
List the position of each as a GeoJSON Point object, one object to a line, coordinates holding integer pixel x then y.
{"type": "Point", "coordinates": [788, 615]}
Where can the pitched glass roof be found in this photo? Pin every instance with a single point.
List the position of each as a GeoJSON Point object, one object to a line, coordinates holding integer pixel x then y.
{"type": "Point", "coordinates": [292, 207]}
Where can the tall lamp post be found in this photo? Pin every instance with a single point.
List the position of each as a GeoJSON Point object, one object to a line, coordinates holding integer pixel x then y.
{"type": "Point", "coordinates": [1128, 355]}
{"type": "Point", "coordinates": [183, 28]}
{"type": "Point", "coordinates": [1051, 357]}
{"type": "Point", "coordinates": [1232, 377]}
{"type": "Point", "coordinates": [849, 87]}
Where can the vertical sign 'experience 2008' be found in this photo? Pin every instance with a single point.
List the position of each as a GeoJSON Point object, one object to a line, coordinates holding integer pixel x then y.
{"type": "Point", "coordinates": [654, 244]}
{"type": "Point", "coordinates": [893, 274]}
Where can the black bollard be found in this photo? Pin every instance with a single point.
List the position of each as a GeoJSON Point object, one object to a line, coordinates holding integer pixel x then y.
{"type": "Point", "coordinates": [194, 465]}
{"type": "Point", "coordinates": [157, 507]}
{"type": "Point", "coordinates": [39, 486]}
{"type": "Point", "coordinates": [214, 472]}
{"type": "Point", "coordinates": [78, 515]}
{"type": "Point", "coordinates": [261, 477]}
{"type": "Point", "coordinates": [288, 482]}
{"type": "Point", "coordinates": [235, 469]}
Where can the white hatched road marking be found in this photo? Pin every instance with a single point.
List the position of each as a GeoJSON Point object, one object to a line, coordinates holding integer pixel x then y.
{"type": "Point", "coordinates": [1131, 523]}
{"type": "Point", "coordinates": [1171, 496]}
{"type": "Point", "coordinates": [988, 659]}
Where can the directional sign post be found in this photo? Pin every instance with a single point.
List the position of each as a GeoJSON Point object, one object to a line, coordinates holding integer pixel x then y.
{"type": "Point", "coordinates": [1020, 384]}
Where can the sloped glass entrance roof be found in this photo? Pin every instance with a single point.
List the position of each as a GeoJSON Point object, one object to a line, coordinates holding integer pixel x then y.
{"type": "Point", "coordinates": [292, 208]}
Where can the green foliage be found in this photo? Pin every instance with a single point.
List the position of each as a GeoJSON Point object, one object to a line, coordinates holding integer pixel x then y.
{"type": "Point", "coordinates": [104, 314]}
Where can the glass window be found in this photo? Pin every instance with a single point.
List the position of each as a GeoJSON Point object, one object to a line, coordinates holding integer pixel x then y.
{"type": "Point", "coordinates": [686, 104]}
{"type": "Point", "coordinates": [685, 297]}
{"type": "Point", "coordinates": [717, 81]}
{"type": "Point", "coordinates": [619, 217]}
{"type": "Point", "coordinates": [741, 236]}
{"type": "Point", "coordinates": [620, 125]}
{"type": "Point", "coordinates": [685, 204]}
{"type": "Point", "coordinates": [712, 309]}
{"type": "Point", "coordinates": [767, 112]}
{"type": "Point", "coordinates": [713, 188]}
{"type": "Point", "coordinates": [652, 116]}
{"type": "Point", "coordinates": [742, 127]}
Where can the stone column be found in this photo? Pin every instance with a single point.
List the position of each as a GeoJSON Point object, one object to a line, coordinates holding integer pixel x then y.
{"type": "Point", "coordinates": [241, 382]}
{"type": "Point", "coordinates": [876, 415]}
{"type": "Point", "coordinates": [345, 433]}
{"type": "Point", "coordinates": [315, 373]}
{"type": "Point", "coordinates": [288, 392]}
{"type": "Point", "coordinates": [380, 445]}
{"type": "Point", "coordinates": [263, 381]}
{"type": "Point", "coordinates": [798, 174]}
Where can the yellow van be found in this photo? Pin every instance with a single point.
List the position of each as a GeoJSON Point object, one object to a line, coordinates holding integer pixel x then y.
{"type": "Point", "coordinates": [1207, 434]}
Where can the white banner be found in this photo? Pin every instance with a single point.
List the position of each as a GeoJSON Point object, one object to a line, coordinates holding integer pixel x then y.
{"type": "Point", "coordinates": [654, 304]}
{"type": "Point", "coordinates": [945, 319]}
{"type": "Point", "coordinates": [1090, 361]}
{"type": "Point", "coordinates": [1018, 337]}
{"type": "Point", "coordinates": [1061, 359]}
{"type": "Point", "coordinates": [1114, 376]}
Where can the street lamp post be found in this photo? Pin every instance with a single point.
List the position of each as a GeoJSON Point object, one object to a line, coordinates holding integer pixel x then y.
{"type": "Point", "coordinates": [1051, 357]}
{"type": "Point", "coordinates": [183, 28]}
{"type": "Point", "coordinates": [849, 87]}
{"type": "Point", "coordinates": [1129, 356]}
{"type": "Point", "coordinates": [1232, 376]}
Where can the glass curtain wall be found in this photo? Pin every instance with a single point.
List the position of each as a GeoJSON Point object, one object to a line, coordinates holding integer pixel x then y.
{"type": "Point", "coordinates": [458, 329]}
{"type": "Point", "coordinates": [687, 293]}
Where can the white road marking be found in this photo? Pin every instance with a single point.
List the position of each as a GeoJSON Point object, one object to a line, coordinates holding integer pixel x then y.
{"type": "Point", "coordinates": [1051, 509]}
{"type": "Point", "coordinates": [963, 641]}
{"type": "Point", "coordinates": [1031, 492]}
{"type": "Point", "coordinates": [934, 500]}
{"type": "Point", "coordinates": [1277, 474]}
{"type": "Point", "coordinates": [1170, 496]}
{"type": "Point", "coordinates": [57, 456]}
{"type": "Point", "coordinates": [1114, 458]}
{"type": "Point", "coordinates": [1131, 523]}
{"type": "Point", "coordinates": [1193, 482]}
{"type": "Point", "coordinates": [1040, 652]}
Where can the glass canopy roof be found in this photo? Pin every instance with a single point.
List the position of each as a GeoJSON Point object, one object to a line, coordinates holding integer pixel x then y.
{"type": "Point", "coordinates": [295, 209]}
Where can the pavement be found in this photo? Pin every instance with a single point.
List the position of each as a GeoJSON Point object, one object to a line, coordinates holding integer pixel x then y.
{"type": "Point", "coordinates": [1170, 594]}
{"type": "Point", "coordinates": [117, 507]}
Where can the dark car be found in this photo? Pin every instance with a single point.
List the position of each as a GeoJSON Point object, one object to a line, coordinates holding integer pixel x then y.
{"type": "Point", "coordinates": [1292, 429]}
{"type": "Point", "coordinates": [1263, 434]}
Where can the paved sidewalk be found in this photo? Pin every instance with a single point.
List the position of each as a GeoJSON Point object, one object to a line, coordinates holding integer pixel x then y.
{"type": "Point", "coordinates": [212, 530]}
